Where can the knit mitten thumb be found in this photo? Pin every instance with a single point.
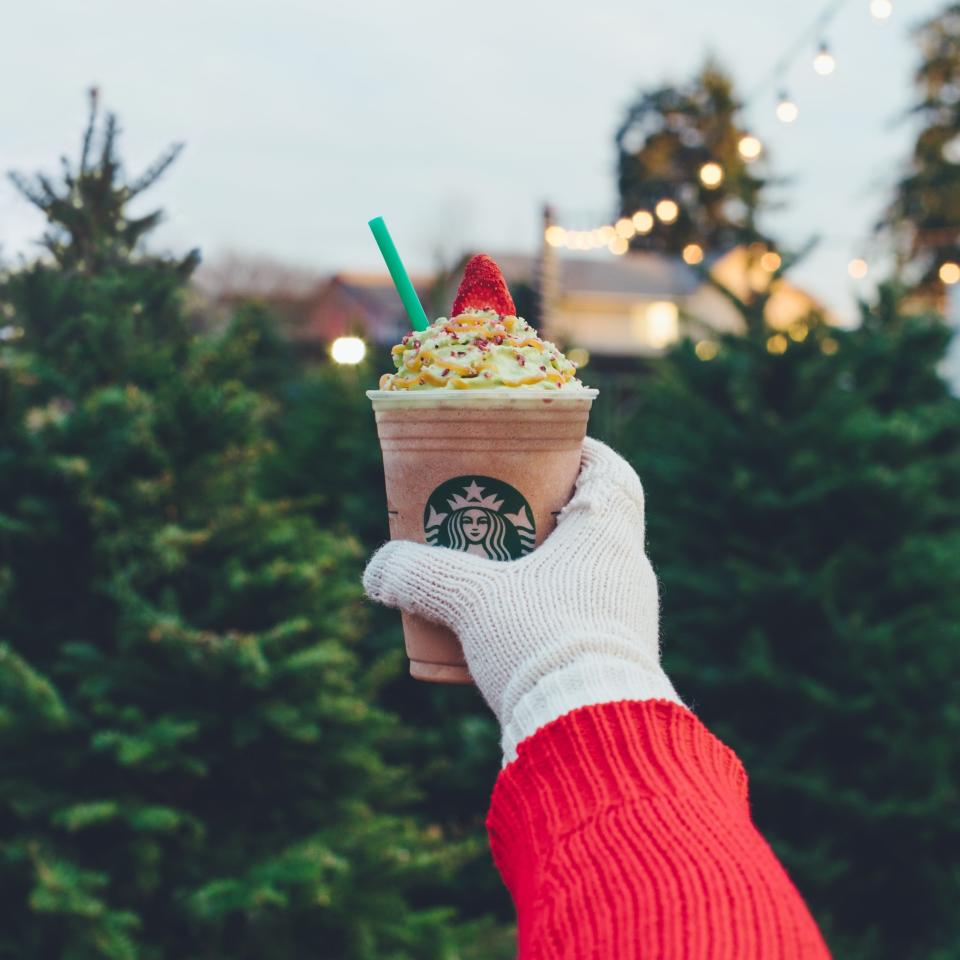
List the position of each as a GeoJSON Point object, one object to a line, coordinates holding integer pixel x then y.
{"type": "Point", "coordinates": [573, 623]}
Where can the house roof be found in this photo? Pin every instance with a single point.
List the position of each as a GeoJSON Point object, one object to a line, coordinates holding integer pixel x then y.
{"type": "Point", "coordinates": [633, 276]}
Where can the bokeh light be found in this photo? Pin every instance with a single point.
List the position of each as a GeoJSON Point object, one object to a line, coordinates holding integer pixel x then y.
{"type": "Point", "coordinates": [858, 268]}
{"type": "Point", "coordinates": [711, 175]}
{"type": "Point", "coordinates": [667, 211]}
{"type": "Point", "coordinates": [787, 110]}
{"type": "Point", "coordinates": [643, 221]}
{"type": "Point", "coordinates": [771, 261]}
{"type": "Point", "coordinates": [824, 63]}
{"type": "Point", "coordinates": [949, 273]}
{"type": "Point", "coordinates": [749, 147]}
{"type": "Point", "coordinates": [348, 350]}
{"type": "Point", "coordinates": [579, 356]}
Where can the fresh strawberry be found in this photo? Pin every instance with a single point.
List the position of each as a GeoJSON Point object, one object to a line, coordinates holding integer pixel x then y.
{"type": "Point", "coordinates": [483, 288]}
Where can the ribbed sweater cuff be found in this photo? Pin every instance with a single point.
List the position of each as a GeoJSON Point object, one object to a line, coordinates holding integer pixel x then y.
{"type": "Point", "coordinates": [598, 756]}
{"type": "Point", "coordinates": [623, 830]}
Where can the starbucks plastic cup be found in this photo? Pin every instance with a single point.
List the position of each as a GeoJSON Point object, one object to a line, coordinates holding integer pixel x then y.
{"type": "Point", "coordinates": [485, 471]}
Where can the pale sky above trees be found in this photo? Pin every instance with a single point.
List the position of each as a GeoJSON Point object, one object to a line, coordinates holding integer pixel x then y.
{"type": "Point", "coordinates": [303, 119]}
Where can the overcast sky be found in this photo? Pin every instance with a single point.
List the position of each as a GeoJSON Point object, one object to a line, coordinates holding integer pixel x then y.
{"type": "Point", "coordinates": [304, 118]}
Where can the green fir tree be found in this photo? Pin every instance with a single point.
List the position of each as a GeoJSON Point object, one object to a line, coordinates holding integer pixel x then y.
{"type": "Point", "coordinates": [804, 518]}
{"type": "Point", "coordinates": [924, 219]}
{"type": "Point", "coordinates": [193, 766]}
{"type": "Point", "coordinates": [673, 143]}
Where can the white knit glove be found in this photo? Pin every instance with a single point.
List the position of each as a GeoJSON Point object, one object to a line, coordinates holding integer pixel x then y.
{"type": "Point", "coordinates": [573, 623]}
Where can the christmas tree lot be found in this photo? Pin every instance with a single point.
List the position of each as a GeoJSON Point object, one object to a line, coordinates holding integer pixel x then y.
{"type": "Point", "coordinates": [211, 747]}
{"type": "Point", "coordinates": [193, 762]}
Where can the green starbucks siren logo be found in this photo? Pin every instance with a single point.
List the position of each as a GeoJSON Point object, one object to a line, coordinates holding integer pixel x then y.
{"type": "Point", "coordinates": [480, 515]}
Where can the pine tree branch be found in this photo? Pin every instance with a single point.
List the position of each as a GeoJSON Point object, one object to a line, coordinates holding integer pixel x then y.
{"type": "Point", "coordinates": [155, 170]}
{"type": "Point", "coordinates": [89, 132]}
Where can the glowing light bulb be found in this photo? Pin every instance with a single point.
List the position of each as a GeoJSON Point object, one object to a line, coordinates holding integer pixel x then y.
{"type": "Point", "coordinates": [606, 233]}
{"type": "Point", "coordinates": [950, 273]}
{"type": "Point", "coordinates": [881, 9]}
{"type": "Point", "coordinates": [625, 228]}
{"type": "Point", "coordinates": [643, 221]}
{"type": "Point", "coordinates": [618, 245]}
{"type": "Point", "coordinates": [777, 344]}
{"type": "Point", "coordinates": [787, 110]}
{"type": "Point", "coordinates": [693, 253]}
{"type": "Point", "coordinates": [662, 318]}
{"type": "Point", "coordinates": [711, 175]}
{"type": "Point", "coordinates": [579, 356]}
{"type": "Point", "coordinates": [555, 236]}
{"type": "Point", "coordinates": [770, 261]}
{"type": "Point", "coordinates": [348, 350]}
{"type": "Point", "coordinates": [750, 147]}
{"type": "Point", "coordinates": [858, 268]}
{"type": "Point", "coordinates": [667, 211]}
{"type": "Point", "coordinates": [823, 62]}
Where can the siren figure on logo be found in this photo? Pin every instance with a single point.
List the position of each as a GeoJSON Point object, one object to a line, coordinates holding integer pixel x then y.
{"type": "Point", "coordinates": [463, 515]}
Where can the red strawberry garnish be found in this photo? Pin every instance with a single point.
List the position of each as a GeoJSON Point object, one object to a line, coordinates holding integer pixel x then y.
{"type": "Point", "coordinates": [483, 288]}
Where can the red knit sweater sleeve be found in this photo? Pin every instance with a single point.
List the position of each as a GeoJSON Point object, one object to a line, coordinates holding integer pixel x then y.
{"type": "Point", "coordinates": [623, 830]}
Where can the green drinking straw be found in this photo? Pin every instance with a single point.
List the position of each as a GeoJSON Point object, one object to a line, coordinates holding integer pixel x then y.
{"type": "Point", "coordinates": [399, 275]}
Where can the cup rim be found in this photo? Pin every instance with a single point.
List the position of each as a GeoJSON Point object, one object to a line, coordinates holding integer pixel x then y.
{"type": "Point", "coordinates": [508, 394]}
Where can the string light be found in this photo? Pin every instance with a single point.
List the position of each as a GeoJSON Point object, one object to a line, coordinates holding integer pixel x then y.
{"type": "Point", "coordinates": [711, 175]}
{"type": "Point", "coordinates": [950, 151]}
{"type": "Point", "coordinates": [348, 350]}
{"type": "Point", "coordinates": [706, 349]}
{"type": "Point", "coordinates": [750, 147]}
{"type": "Point", "coordinates": [555, 236]}
{"type": "Point", "coordinates": [787, 110]}
{"type": "Point", "coordinates": [667, 211]}
{"type": "Point", "coordinates": [777, 344]}
{"type": "Point", "coordinates": [823, 62]}
{"type": "Point", "coordinates": [579, 356]}
{"type": "Point", "coordinates": [857, 268]}
{"type": "Point", "coordinates": [950, 273]}
{"type": "Point", "coordinates": [799, 331]}
{"type": "Point", "coordinates": [643, 221]}
{"type": "Point", "coordinates": [770, 261]}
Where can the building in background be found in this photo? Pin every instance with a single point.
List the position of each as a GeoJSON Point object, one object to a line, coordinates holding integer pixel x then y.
{"type": "Point", "coordinates": [607, 307]}
{"type": "Point", "coordinates": [354, 304]}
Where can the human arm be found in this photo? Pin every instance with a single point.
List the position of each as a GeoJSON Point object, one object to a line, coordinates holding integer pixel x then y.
{"type": "Point", "coordinates": [620, 825]}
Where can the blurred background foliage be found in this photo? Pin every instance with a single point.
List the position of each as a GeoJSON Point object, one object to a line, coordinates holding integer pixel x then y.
{"type": "Point", "coordinates": [210, 744]}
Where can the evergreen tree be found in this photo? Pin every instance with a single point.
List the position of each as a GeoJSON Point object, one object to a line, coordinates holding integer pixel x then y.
{"type": "Point", "coordinates": [192, 765]}
{"type": "Point", "coordinates": [804, 518]}
{"type": "Point", "coordinates": [667, 138]}
{"type": "Point", "coordinates": [447, 738]}
{"type": "Point", "coordinates": [924, 218]}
